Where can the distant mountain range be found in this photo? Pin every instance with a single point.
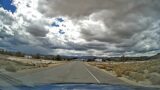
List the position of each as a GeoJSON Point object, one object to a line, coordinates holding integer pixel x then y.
{"type": "Point", "coordinates": [80, 57]}
{"type": "Point", "coordinates": [157, 56]}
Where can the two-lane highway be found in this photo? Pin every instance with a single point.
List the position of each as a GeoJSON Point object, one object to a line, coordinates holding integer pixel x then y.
{"type": "Point", "coordinates": [73, 72]}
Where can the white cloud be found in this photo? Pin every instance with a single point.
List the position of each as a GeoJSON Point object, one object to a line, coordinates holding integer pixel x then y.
{"type": "Point", "coordinates": [108, 28]}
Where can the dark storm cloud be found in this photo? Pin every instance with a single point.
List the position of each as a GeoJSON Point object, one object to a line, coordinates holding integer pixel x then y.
{"type": "Point", "coordinates": [78, 8]}
{"type": "Point", "coordinates": [86, 46]}
{"type": "Point", "coordinates": [99, 36]}
{"type": "Point", "coordinates": [74, 46]}
{"type": "Point", "coordinates": [129, 23]}
{"type": "Point", "coordinates": [123, 27]}
{"type": "Point", "coordinates": [111, 27]}
{"type": "Point", "coordinates": [13, 40]}
{"type": "Point", "coordinates": [37, 30]}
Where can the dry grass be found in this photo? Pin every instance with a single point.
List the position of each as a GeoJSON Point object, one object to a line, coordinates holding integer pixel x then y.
{"type": "Point", "coordinates": [14, 64]}
{"type": "Point", "coordinates": [137, 71]}
{"type": "Point", "coordinates": [101, 66]}
{"type": "Point", "coordinates": [11, 68]}
{"type": "Point", "coordinates": [121, 69]}
{"type": "Point", "coordinates": [136, 76]}
{"type": "Point", "coordinates": [154, 78]}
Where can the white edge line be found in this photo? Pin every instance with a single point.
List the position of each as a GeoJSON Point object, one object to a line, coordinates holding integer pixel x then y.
{"type": "Point", "coordinates": [92, 75]}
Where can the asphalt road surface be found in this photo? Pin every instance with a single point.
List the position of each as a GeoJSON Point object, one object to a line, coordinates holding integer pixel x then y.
{"type": "Point", "coordinates": [73, 72]}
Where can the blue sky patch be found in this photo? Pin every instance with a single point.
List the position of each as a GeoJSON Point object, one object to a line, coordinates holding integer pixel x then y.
{"type": "Point", "coordinates": [60, 19]}
{"type": "Point", "coordinates": [61, 31]}
{"type": "Point", "coordinates": [55, 24]}
{"type": "Point", "coordinates": [7, 5]}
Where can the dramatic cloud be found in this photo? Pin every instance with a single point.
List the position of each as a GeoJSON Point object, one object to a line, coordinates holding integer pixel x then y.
{"type": "Point", "coordinates": [37, 30]}
{"type": "Point", "coordinates": [81, 27]}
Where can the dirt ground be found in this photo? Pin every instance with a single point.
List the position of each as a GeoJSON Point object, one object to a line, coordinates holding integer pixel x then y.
{"type": "Point", "coordinates": [15, 64]}
{"type": "Point", "coordinates": [142, 73]}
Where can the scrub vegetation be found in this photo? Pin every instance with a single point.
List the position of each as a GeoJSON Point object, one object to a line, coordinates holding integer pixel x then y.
{"type": "Point", "coordinates": [138, 71]}
{"type": "Point", "coordinates": [14, 64]}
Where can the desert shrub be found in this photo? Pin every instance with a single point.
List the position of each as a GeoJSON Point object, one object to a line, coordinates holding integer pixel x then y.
{"type": "Point", "coordinates": [109, 67]}
{"type": "Point", "coordinates": [22, 63]}
{"type": "Point", "coordinates": [154, 78]}
{"type": "Point", "coordinates": [127, 73]}
{"type": "Point", "coordinates": [27, 64]}
{"type": "Point", "coordinates": [140, 70]}
{"type": "Point", "coordinates": [94, 64]}
{"type": "Point", "coordinates": [158, 70]}
{"type": "Point", "coordinates": [10, 68]}
{"type": "Point", "coordinates": [118, 72]}
{"type": "Point", "coordinates": [154, 69]}
{"type": "Point", "coordinates": [136, 76]}
{"type": "Point", "coordinates": [101, 66]}
{"type": "Point", "coordinates": [146, 75]}
{"type": "Point", "coordinates": [123, 69]}
{"type": "Point", "coordinates": [44, 65]}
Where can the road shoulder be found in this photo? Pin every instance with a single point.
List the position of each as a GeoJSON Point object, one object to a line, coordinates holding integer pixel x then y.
{"type": "Point", "coordinates": [130, 82]}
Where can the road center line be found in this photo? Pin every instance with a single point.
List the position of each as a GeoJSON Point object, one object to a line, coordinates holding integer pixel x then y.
{"type": "Point", "coordinates": [92, 75]}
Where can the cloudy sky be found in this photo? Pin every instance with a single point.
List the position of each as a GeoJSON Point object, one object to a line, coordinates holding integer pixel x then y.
{"type": "Point", "coordinates": [81, 27]}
